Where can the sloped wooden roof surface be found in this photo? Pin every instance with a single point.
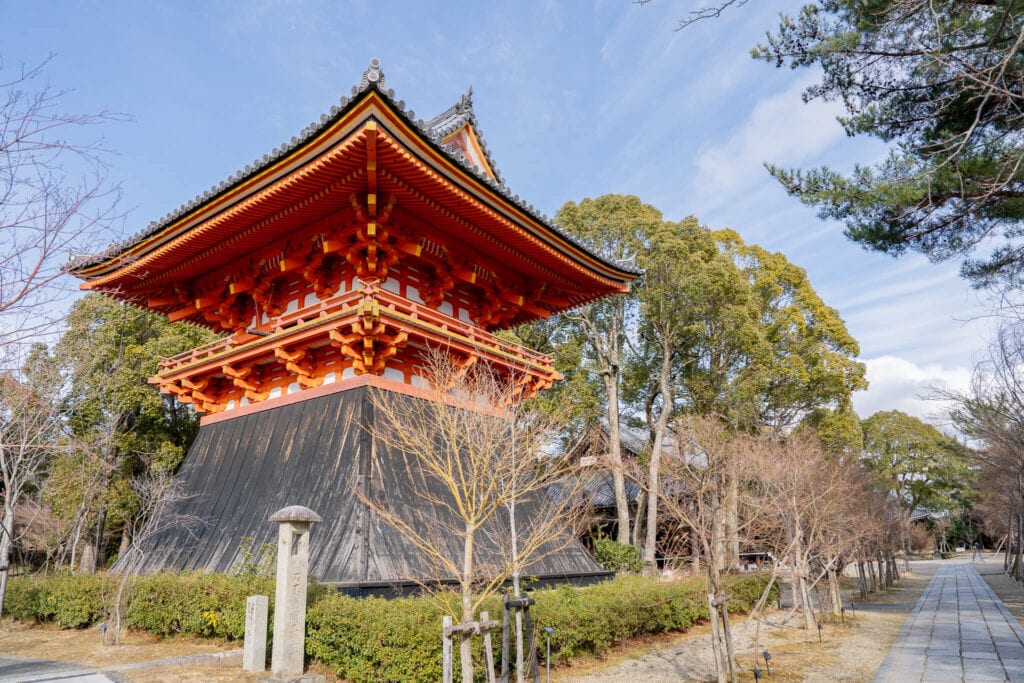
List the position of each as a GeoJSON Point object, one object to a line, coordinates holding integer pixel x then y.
{"type": "Point", "coordinates": [316, 453]}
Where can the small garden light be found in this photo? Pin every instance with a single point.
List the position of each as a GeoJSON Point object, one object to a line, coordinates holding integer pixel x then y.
{"type": "Point", "coordinates": [548, 630]}
{"type": "Point", "coordinates": [757, 674]}
{"type": "Point", "coordinates": [767, 658]}
{"type": "Point", "coordinates": [819, 634]}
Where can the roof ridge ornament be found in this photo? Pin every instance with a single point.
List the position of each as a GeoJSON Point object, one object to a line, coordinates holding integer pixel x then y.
{"type": "Point", "coordinates": [466, 100]}
{"type": "Point", "coordinates": [373, 75]}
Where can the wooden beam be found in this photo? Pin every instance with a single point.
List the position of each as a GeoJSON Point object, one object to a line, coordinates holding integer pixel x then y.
{"type": "Point", "coordinates": [371, 166]}
{"type": "Point", "coordinates": [208, 300]}
{"type": "Point", "coordinates": [161, 301]}
{"type": "Point", "coordinates": [242, 283]}
{"type": "Point", "coordinates": [181, 314]}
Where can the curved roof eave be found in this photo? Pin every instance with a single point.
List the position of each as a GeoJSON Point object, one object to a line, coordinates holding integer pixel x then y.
{"type": "Point", "coordinates": [373, 78]}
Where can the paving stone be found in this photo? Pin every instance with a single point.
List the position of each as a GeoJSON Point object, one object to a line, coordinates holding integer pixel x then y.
{"type": "Point", "coordinates": [959, 631]}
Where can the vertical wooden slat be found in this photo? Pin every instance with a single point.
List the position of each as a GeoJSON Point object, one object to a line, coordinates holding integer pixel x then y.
{"type": "Point", "coordinates": [488, 651]}
{"type": "Point", "coordinates": [446, 657]}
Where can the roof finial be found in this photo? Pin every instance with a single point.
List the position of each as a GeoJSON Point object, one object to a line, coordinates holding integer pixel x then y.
{"type": "Point", "coordinates": [374, 75]}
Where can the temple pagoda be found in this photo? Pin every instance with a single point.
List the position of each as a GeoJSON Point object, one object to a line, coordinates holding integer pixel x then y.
{"type": "Point", "coordinates": [331, 265]}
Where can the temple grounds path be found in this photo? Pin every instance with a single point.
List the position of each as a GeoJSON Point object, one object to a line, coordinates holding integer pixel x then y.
{"type": "Point", "coordinates": [959, 631]}
{"type": "Point", "coordinates": [850, 651]}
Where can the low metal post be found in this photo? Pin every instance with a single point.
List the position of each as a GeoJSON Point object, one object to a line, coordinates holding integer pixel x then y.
{"type": "Point", "coordinates": [547, 659]}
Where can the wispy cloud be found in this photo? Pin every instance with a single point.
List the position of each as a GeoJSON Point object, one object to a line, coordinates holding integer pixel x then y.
{"type": "Point", "coordinates": [780, 129]}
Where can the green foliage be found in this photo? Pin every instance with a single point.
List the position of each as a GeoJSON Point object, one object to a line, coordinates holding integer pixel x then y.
{"type": "Point", "coordinates": [68, 600]}
{"type": "Point", "coordinates": [255, 561]}
{"type": "Point", "coordinates": [949, 101]}
{"type": "Point", "coordinates": [374, 639]}
{"type": "Point", "coordinates": [122, 425]}
{"type": "Point", "coordinates": [922, 466]}
{"type": "Point", "coordinates": [837, 431]}
{"type": "Point", "coordinates": [616, 556]}
{"type": "Point", "coordinates": [193, 603]}
{"type": "Point", "coordinates": [749, 337]}
{"type": "Point", "coordinates": [592, 620]}
{"type": "Point", "coordinates": [196, 603]}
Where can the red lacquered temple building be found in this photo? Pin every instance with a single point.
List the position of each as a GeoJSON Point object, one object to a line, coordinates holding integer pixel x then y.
{"type": "Point", "coordinates": [331, 265]}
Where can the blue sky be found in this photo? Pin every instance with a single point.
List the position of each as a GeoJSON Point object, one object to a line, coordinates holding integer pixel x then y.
{"type": "Point", "coordinates": [574, 99]}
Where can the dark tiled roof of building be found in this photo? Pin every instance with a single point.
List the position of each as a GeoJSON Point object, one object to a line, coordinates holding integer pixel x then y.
{"type": "Point", "coordinates": [456, 116]}
{"type": "Point", "coordinates": [373, 77]}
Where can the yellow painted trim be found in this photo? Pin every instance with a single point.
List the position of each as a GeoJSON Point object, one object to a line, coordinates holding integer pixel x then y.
{"type": "Point", "coordinates": [370, 101]}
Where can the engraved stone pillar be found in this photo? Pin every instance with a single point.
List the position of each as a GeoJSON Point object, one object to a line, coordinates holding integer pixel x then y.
{"type": "Point", "coordinates": [286, 661]}
{"type": "Point", "coordinates": [254, 652]}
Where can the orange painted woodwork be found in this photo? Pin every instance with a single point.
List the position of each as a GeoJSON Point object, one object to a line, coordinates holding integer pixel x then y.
{"type": "Point", "coordinates": [349, 252]}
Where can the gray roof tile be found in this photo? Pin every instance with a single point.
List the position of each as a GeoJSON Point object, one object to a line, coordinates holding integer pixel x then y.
{"type": "Point", "coordinates": [373, 77]}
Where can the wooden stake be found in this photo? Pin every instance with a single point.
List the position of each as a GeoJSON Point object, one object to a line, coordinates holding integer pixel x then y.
{"type": "Point", "coordinates": [488, 651]}
{"type": "Point", "coordinates": [447, 656]}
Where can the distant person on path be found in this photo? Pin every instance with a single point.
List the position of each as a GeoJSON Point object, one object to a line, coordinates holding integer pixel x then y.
{"type": "Point", "coordinates": [977, 552]}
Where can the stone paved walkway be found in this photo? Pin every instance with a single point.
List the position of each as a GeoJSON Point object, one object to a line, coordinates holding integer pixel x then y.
{"type": "Point", "coordinates": [958, 631]}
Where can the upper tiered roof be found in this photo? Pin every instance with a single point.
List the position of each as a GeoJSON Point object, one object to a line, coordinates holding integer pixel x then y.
{"type": "Point", "coordinates": [439, 173]}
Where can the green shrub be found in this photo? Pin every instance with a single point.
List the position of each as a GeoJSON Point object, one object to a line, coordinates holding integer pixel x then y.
{"type": "Point", "coordinates": [195, 603]}
{"type": "Point", "coordinates": [616, 556]}
{"type": "Point", "coordinates": [70, 600]}
{"type": "Point", "coordinates": [373, 639]}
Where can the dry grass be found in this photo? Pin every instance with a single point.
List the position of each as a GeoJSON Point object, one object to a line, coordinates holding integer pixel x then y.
{"type": "Point", "coordinates": [85, 647]}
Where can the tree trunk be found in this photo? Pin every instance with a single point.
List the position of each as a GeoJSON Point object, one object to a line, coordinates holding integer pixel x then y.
{"type": "Point", "coordinates": [126, 542]}
{"type": "Point", "coordinates": [6, 543]}
{"type": "Point", "coordinates": [98, 550]}
{"type": "Point", "coordinates": [1020, 546]}
{"type": "Point", "coordinates": [636, 536]}
{"type": "Point", "coordinates": [465, 641]}
{"type": "Point", "coordinates": [730, 655]}
{"type": "Point", "coordinates": [654, 468]}
{"type": "Point", "coordinates": [615, 458]}
{"type": "Point", "coordinates": [834, 592]}
{"type": "Point", "coordinates": [716, 641]}
{"type": "Point", "coordinates": [862, 580]}
{"type": "Point", "coordinates": [732, 532]}
{"type": "Point", "coordinates": [805, 597]}
{"type": "Point", "coordinates": [694, 551]}
{"type": "Point", "coordinates": [87, 561]}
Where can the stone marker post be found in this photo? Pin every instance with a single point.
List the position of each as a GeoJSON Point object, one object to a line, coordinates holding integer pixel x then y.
{"type": "Point", "coordinates": [286, 662]}
{"type": "Point", "coordinates": [254, 652]}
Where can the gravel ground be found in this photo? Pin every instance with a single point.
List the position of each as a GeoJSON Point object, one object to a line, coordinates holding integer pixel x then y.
{"type": "Point", "coordinates": [1008, 590]}
{"type": "Point", "coordinates": [851, 651]}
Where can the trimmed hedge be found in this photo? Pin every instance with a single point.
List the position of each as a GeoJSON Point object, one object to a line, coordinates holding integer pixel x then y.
{"type": "Point", "coordinates": [193, 603]}
{"type": "Point", "coordinates": [374, 639]}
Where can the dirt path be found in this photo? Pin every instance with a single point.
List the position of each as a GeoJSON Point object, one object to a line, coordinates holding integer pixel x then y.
{"type": "Point", "coordinates": [850, 651]}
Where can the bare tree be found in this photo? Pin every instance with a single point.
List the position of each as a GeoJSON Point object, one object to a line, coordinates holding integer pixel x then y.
{"type": "Point", "coordinates": [471, 450]}
{"type": "Point", "coordinates": [31, 432]}
{"type": "Point", "coordinates": [54, 199]}
{"type": "Point", "coordinates": [158, 495]}
{"type": "Point", "coordinates": [695, 474]}
{"type": "Point", "coordinates": [993, 414]}
{"type": "Point", "coordinates": [816, 508]}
